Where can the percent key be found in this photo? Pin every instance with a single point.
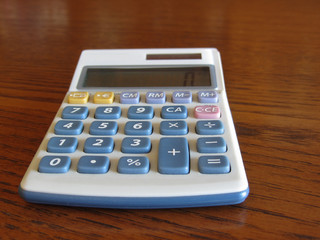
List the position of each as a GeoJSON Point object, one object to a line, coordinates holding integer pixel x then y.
{"type": "Point", "coordinates": [133, 165]}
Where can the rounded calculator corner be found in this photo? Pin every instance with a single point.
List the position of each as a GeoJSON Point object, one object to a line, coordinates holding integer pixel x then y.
{"type": "Point", "coordinates": [22, 192]}
{"type": "Point", "coordinates": [242, 196]}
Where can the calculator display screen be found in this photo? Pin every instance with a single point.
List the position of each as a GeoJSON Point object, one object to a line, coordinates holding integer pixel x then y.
{"type": "Point", "coordinates": [145, 77]}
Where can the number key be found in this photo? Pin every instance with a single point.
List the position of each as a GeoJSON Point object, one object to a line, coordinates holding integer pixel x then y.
{"type": "Point", "coordinates": [62, 144]}
{"type": "Point", "coordinates": [138, 128]}
{"type": "Point", "coordinates": [103, 128]}
{"type": "Point", "coordinates": [99, 145]}
{"type": "Point", "coordinates": [136, 145]}
{"type": "Point", "coordinates": [64, 127]}
{"type": "Point", "coordinates": [55, 164]}
{"type": "Point", "coordinates": [108, 113]}
{"type": "Point", "coordinates": [75, 112]}
{"type": "Point", "coordinates": [140, 112]}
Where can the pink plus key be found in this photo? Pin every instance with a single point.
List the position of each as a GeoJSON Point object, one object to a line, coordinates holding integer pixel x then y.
{"type": "Point", "coordinates": [207, 112]}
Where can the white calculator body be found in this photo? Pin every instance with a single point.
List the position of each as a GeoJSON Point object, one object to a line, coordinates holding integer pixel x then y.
{"type": "Point", "coordinates": [141, 128]}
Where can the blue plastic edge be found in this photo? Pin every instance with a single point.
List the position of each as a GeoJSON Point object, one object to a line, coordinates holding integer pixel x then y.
{"type": "Point", "coordinates": [135, 203]}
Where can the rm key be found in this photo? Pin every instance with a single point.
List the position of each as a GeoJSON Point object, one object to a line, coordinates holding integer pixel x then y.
{"type": "Point", "coordinates": [207, 112]}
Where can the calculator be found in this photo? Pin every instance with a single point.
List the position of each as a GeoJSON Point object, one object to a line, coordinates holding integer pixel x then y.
{"type": "Point", "coordinates": [141, 128]}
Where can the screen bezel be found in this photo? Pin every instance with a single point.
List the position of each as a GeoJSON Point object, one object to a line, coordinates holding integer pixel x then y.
{"type": "Point", "coordinates": [212, 73]}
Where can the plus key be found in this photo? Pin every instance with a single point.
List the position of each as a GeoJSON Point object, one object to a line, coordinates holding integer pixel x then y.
{"type": "Point", "coordinates": [173, 156]}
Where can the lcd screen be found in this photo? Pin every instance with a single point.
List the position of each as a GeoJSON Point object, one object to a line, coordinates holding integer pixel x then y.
{"type": "Point", "coordinates": [145, 77]}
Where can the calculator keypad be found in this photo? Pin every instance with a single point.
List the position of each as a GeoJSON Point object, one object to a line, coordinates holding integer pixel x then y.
{"type": "Point", "coordinates": [137, 123]}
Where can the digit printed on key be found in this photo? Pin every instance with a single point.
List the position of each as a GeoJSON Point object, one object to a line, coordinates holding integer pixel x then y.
{"type": "Point", "coordinates": [54, 164]}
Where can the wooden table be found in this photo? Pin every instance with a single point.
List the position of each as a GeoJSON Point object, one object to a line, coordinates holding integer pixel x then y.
{"type": "Point", "coordinates": [270, 52]}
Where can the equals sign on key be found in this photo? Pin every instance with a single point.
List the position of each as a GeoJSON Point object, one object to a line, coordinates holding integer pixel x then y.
{"type": "Point", "coordinates": [214, 161]}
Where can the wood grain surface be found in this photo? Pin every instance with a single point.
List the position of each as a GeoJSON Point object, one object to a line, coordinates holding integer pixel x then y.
{"type": "Point", "coordinates": [270, 54]}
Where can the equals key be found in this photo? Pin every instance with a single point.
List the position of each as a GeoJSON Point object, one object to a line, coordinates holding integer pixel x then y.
{"type": "Point", "coordinates": [214, 164]}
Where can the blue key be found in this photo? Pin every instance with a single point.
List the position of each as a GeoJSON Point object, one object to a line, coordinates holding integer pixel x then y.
{"type": "Point", "coordinates": [138, 128]}
{"type": "Point", "coordinates": [103, 128]}
{"type": "Point", "coordinates": [214, 164]}
{"type": "Point", "coordinates": [211, 145]}
{"type": "Point", "coordinates": [133, 165]}
{"type": "Point", "coordinates": [174, 112]}
{"type": "Point", "coordinates": [75, 112]}
{"type": "Point", "coordinates": [93, 164]}
{"type": "Point", "coordinates": [55, 164]}
{"type": "Point", "coordinates": [213, 127]}
{"type": "Point", "coordinates": [99, 145]}
{"type": "Point", "coordinates": [108, 113]}
{"type": "Point", "coordinates": [173, 128]}
{"type": "Point", "coordinates": [140, 112]}
{"type": "Point", "coordinates": [62, 145]}
{"type": "Point", "coordinates": [64, 127]}
{"type": "Point", "coordinates": [173, 156]}
{"type": "Point", "coordinates": [136, 145]}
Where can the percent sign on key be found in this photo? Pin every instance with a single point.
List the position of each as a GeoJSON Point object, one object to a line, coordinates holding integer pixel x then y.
{"type": "Point", "coordinates": [135, 162]}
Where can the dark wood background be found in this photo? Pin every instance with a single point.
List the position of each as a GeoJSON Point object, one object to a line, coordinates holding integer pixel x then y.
{"type": "Point", "coordinates": [271, 58]}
